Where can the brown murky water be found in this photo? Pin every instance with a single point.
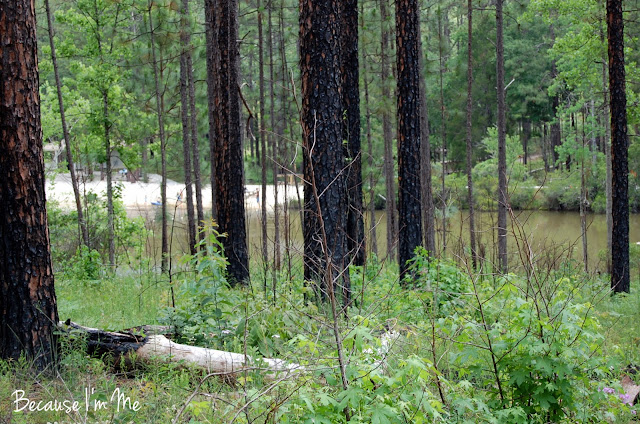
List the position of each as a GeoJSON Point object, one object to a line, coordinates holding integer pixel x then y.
{"type": "Point", "coordinates": [545, 235]}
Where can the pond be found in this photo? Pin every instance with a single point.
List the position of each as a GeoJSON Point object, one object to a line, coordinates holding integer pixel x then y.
{"type": "Point", "coordinates": [548, 235]}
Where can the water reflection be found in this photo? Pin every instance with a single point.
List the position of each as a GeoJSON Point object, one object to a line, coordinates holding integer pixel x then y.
{"type": "Point", "coordinates": [538, 235]}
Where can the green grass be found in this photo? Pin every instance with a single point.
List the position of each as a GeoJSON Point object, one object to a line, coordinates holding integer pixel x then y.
{"type": "Point", "coordinates": [292, 328]}
{"type": "Point", "coordinates": [114, 303]}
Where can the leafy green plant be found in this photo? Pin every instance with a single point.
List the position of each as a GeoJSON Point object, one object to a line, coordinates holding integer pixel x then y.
{"type": "Point", "coordinates": [200, 316]}
{"type": "Point", "coordinates": [441, 282]}
{"type": "Point", "coordinates": [536, 354]}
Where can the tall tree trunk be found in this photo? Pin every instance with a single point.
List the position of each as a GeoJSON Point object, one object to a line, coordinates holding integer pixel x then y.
{"type": "Point", "coordinates": [107, 148]}
{"type": "Point", "coordinates": [107, 145]}
{"type": "Point", "coordinates": [195, 151]}
{"type": "Point", "coordinates": [285, 145]}
{"type": "Point", "coordinates": [526, 136]}
{"type": "Point", "coordinates": [408, 68]}
{"type": "Point", "coordinates": [555, 136]}
{"type": "Point", "coordinates": [469, 161]}
{"type": "Point", "coordinates": [229, 165]}
{"type": "Point", "coordinates": [351, 127]}
{"type": "Point", "coordinates": [213, 61]}
{"type": "Point", "coordinates": [619, 149]}
{"type": "Point", "coordinates": [503, 201]}
{"type": "Point", "coordinates": [325, 202]}
{"type": "Point", "coordinates": [28, 312]}
{"type": "Point", "coordinates": [184, 109]}
{"type": "Point", "coordinates": [163, 145]}
{"type": "Point", "coordinates": [607, 149]}
{"type": "Point", "coordinates": [583, 199]}
{"type": "Point", "coordinates": [263, 142]}
{"type": "Point", "coordinates": [65, 131]}
{"type": "Point", "coordinates": [389, 173]}
{"type": "Point", "coordinates": [372, 238]}
{"type": "Point", "coordinates": [443, 128]}
{"type": "Point", "coordinates": [275, 160]}
{"type": "Point", "coordinates": [428, 215]}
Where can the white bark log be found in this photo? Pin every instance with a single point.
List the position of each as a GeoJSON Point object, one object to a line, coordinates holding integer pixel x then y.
{"type": "Point", "coordinates": [156, 346]}
{"type": "Point", "coordinates": [212, 360]}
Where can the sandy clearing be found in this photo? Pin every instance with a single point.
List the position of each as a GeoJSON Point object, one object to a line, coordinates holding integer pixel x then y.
{"type": "Point", "coordinates": [140, 194]}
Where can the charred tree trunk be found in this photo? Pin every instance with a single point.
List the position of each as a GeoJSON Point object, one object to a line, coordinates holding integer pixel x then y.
{"type": "Point", "coordinates": [65, 131]}
{"type": "Point", "coordinates": [555, 137]}
{"type": "Point", "coordinates": [443, 128]}
{"type": "Point", "coordinates": [275, 165]}
{"type": "Point", "coordinates": [351, 128]}
{"type": "Point", "coordinates": [163, 146]}
{"type": "Point", "coordinates": [107, 148]}
{"type": "Point", "coordinates": [372, 238]}
{"type": "Point", "coordinates": [428, 208]}
{"type": "Point", "coordinates": [184, 109]}
{"type": "Point", "coordinates": [325, 200]}
{"type": "Point", "coordinates": [28, 312]}
{"type": "Point", "coordinates": [583, 200]}
{"type": "Point", "coordinates": [607, 149]}
{"type": "Point", "coordinates": [526, 136]}
{"type": "Point", "coordinates": [389, 173]}
{"type": "Point", "coordinates": [194, 127]}
{"type": "Point", "coordinates": [408, 68]}
{"type": "Point", "coordinates": [285, 145]}
{"type": "Point", "coordinates": [213, 61]}
{"type": "Point", "coordinates": [469, 161]}
{"type": "Point", "coordinates": [263, 143]}
{"type": "Point", "coordinates": [503, 201]}
{"type": "Point", "coordinates": [619, 149]}
{"type": "Point", "coordinates": [229, 165]}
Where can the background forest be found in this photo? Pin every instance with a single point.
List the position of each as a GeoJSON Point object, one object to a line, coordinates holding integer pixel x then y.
{"type": "Point", "coordinates": [556, 96]}
{"type": "Point", "coordinates": [451, 338]}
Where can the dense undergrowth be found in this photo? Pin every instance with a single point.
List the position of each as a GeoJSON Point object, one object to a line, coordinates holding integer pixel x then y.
{"type": "Point", "coordinates": [449, 344]}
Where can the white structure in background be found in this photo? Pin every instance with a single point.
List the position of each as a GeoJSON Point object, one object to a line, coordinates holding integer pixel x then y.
{"type": "Point", "coordinates": [56, 150]}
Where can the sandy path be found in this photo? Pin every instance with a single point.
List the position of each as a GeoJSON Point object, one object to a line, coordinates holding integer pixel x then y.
{"type": "Point", "coordinates": [140, 194]}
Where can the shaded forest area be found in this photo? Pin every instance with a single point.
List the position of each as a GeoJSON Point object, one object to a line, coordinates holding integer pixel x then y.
{"type": "Point", "coordinates": [162, 55]}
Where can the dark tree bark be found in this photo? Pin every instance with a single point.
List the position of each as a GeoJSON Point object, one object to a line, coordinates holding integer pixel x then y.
{"type": "Point", "coordinates": [351, 127]}
{"type": "Point", "coordinates": [555, 136]}
{"type": "Point", "coordinates": [408, 68]}
{"type": "Point", "coordinates": [285, 145]}
{"type": "Point", "coordinates": [503, 201]}
{"type": "Point", "coordinates": [389, 174]}
{"type": "Point", "coordinates": [443, 128]}
{"type": "Point", "coordinates": [526, 136]}
{"type": "Point", "coordinates": [186, 135]}
{"type": "Point", "coordinates": [428, 209]}
{"type": "Point", "coordinates": [607, 150]}
{"type": "Point", "coordinates": [194, 130]}
{"type": "Point", "coordinates": [325, 200]}
{"type": "Point", "coordinates": [28, 313]}
{"type": "Point", "coordinates": [275, 160]}
{"type": "Point", "coordinates": [583, 201]}
{"type": "Point", "coordinates": [163, 145]}
{"type": "Point", "coordinates": [107, 148]}
{"type": "Point", "coordinates": [229, 165]}
{"type": "Point", "coordinates": [619, 149]}
{"type": "Point", "coordinates": [213, 61]}
{"type": "Point", "coordinates": [65, 131]}
{"type": "Point", "coordinates": [263, 142]}
{"type": "Point", "coordinates": [469, 162]}
{"type": "Point", "coordinates": [372, 237]}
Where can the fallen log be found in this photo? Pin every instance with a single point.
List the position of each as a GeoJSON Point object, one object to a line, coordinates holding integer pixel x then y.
{"type": "Point", "coordinates": [151, 347]}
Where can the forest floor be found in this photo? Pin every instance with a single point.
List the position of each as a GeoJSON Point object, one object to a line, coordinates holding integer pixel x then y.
{"type": "Point", "coordinates": [141, 195]}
